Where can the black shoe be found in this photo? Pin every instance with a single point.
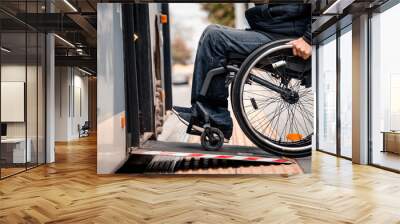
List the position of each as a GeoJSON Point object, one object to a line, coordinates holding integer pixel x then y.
{"type": "Point", "coordinates": [184, 114]}
{"type": "Point", "coordinates": [178, 109]}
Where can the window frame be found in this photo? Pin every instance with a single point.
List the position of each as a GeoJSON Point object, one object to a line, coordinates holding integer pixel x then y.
{"type": "Point", "coordinates": [339, 32]}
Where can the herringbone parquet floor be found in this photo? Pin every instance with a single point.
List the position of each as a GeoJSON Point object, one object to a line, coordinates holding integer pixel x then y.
{"type": "Point", "coordinates": [69, 191]}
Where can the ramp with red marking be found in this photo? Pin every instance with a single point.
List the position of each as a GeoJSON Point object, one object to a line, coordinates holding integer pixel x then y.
{"type": "Point", "coordinates": [214, 155]}
{"type": "Point", "coordinates": [156, 157]}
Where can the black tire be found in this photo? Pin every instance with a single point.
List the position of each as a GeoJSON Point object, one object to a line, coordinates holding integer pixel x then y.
{"type": "Point", "coordinates": [299, 149]}
{"type": "Point", "coordinates": [212, 139]}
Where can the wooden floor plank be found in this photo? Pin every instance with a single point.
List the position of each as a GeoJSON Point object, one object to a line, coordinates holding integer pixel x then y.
{"type": "Point", "coordinates": [70, 191]}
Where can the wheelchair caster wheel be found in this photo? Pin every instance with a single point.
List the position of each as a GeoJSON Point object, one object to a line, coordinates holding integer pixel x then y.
{"type": "Point", "coordinates": [212, 139]}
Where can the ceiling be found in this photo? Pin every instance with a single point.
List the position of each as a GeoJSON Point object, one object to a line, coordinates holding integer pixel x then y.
{"type": "Point", "coordinates": [74, 22]}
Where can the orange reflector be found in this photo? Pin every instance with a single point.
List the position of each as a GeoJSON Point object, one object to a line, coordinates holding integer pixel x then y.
{"type": "Point", "coordinates": [164, 19]}
{"type": "Point", "coordinates": [294, 136]}
{"type": "Point", "coordinates": [123, 120]}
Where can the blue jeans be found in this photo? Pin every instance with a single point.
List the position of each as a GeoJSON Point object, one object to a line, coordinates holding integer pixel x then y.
{"type": "Point", "coordinates": [215, 44]}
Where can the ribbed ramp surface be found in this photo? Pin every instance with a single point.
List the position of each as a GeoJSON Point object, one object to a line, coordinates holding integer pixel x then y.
{"type": "Point", "coordinates": [190, 158]}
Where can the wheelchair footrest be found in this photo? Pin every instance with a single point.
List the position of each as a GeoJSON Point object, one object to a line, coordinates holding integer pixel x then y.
{"type": "Point", "coordinates": [194, 132]}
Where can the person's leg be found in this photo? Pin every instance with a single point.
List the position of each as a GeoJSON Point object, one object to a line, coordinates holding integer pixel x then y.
{"type": "Point", "coordinates": [214, 45]}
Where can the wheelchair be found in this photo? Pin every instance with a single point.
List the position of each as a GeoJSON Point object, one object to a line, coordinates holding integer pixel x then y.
{"type": "Point", "coordinates": [84, 129]}
{"type": "Point", "coordinates": [271, 98]}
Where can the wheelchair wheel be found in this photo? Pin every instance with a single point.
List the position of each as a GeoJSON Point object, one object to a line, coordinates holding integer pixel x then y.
{"type": "Point", "coordinates": [212, 139]}
{"type": "Point", "coordinates": [271, 103]}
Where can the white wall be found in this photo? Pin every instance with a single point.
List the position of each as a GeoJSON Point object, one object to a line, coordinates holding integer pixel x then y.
{"type": "Point", "coordinates": [33, 104]}
{"type": "Point", "coordinates": [11, 73]}
{"type": "Point", "coordinates": [111, 134]}
{"type": "Point", "coordinates": [17, 73]}
{"type": "Point", "coordinates": [68, 82]}
{"type": "Point", "coordinates": [62, 81]}
{"type": "Point", "coordinates": [13, 101]}
{"type": "Point", "coordinates": [80, 117]}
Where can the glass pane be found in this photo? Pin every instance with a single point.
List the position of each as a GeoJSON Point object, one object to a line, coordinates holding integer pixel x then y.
{"type": "Point", "coordinates": [13, 88]}
{"type": "Point", "coordinates": [32, 87]}
{"type": "Point", "coordinates": [385, 84]}
{"type": "Point", "coordinates": [327, 96]}
{"type": "Point", "coordinates": [41, 98]}
{"type": "Point", "coordinates": [346, 94]}
{"type": "Point", "coordinates": [31, 98]}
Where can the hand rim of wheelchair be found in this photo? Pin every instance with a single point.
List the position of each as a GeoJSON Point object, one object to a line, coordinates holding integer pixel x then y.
{"type": "Point", "coordinates": [303, 148]}
{"type": "Point", "coordinates": [274, 49]}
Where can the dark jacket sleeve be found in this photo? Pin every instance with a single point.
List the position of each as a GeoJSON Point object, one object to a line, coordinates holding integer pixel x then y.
{"type": "Point", "coordinates": [291, 20]}
{"type": "Point", "coordinates": [257, 16]}
{"type": "Point", "coordinates": [307, 36]}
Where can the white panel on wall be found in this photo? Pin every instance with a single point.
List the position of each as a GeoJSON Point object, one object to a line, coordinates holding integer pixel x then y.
{"type": "Point", "coordinates": [12, 101]}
